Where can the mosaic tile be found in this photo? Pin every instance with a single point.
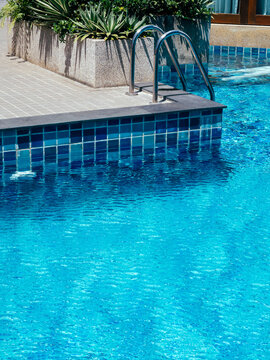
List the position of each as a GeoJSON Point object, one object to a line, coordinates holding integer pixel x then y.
{"type": "Point", "coordinates": [110, 140]}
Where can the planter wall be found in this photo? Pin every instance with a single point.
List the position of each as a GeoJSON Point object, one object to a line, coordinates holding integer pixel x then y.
{"type": "Point", "coordinates": [199, 32]}
{"type": "Point", "coordinates": [97, 63]}
{"type": "Point", "coordinates": [100, 63]}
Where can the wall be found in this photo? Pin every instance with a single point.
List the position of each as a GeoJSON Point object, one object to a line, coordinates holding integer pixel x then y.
{"type": "Point", "coordinates": [97, 63]}
{"type": "Point", "coordinates": [240, 35]}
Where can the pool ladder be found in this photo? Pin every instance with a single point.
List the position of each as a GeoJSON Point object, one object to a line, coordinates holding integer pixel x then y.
{"type": "Point", "coordinates": [163, 39]}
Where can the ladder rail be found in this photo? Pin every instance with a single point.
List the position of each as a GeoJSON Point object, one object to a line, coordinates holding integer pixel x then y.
{"type": "Point", "coordinates": [162, 39]}
{"type": "Point", "coordinates": [136, 36]}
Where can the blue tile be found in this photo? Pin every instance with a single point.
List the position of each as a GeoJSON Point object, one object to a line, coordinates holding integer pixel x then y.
{"type": "Point", "coordinates": [113, 156]}
{"type": "Point", "coordinates": [172, 126]}
{"type": "Point", "coordinates": [137, 129]}
{"type": "Point", "coordinates": [10, 156]}
{"type": "Point", "coordinates": [50, 138]}
{"type": "Point", "coordinates": [125, 130]}
{"type": "Point", "coordinates": [240, 50]}
{"type": "Point", "coordinates": [183, 124]}
{"type": "Point", "coordinates": [63, 137]}
{"type": "Point", "coordinates": [50, 154]}
{"type": "Point", "coordinates": [183, 138]}
{"type": "Point", "coordinates": [137, 141]}
{"type": "Point", "coordinates": [194, 136]}
{"type": "Point", "coordinates": [232, 50]}
{"type": "Point", "coordinates": [9, 133]}
{"type": "Point", "coordinates": [205, 134]}
{"type": "Point", "coordinates": [206, 121]}
{"type": "Point", "coordinates": [149, 141]}
{"type": "Point", "coordinates": [101, 133]}
{"type": "Point", "coordinates": [36, 140]}
{"type": "Point", "coordinates": [75, 136]}
{"type": "Point", "coordinates": [101, 157]}
{"type": "Point", "coordinates": [63, 127]}
{"type": "Point", "coordinates": [88, 135]}
{"type": "Point", "coordinates": [101, 146]}
{"type": "Point", "coordinates": [173, 116]}
{"type": "Point", "coordinates": [37, 154]}
{"type": "Point", "coordinates": [216, 133]}
{"type": "Point", "coordinates": [137, 120]}
{"type": "Point", "coordinates": [217, 111]}
{"type": "Point", "coordinates": [113, 145]}
{"type": "Point", "coordinates": [184, 114]}
{"type": "Point", "coordinates": [149, 127]}
{"type": "Point", "coordinates": [23, 160]}
{"type": "Point", "coordinates": [206, 112]}
{"type": "Point", "coordinates": [9, 143]}
{"type": "Point", "coordinates": [125, 121]}
{"type": "Point", "coordinates": [23, 142]}
{"type": "Point", "coordinates": [113, 122]}
{"type": "Point", "coordinates": [88, 148]}
{"type": "Point", "coordinates": [161, 127]}
{"type": "Point", "coordinates": [262, 54]}
{"type": "Point", "coordinates": [36, 130]}
{"type": "Point", "coordinates": [160, 139]}
{"type": "Point", "coordinates": [125, 144]}
{"type": "Point", "coordinates": [49, 128]}
{"type": "Point", "coordinates": [137, 150]}
{"type": "Point", "coordinates": [247, 52]}
{"type": "Point", "coordinates": [149, 118]}
{"type": "Point", "coordinates": [22, 132]}
{"type": "Point", "coordinates": [63, 149]}
{"type": "Point", "coordinates": [172, 139]}
{"type": "Point", "coordinates": [101, 123]}
{"type": "Point", "coordinates": [76, 152]}
{"type": "Point", "coordinates": [89, 124]}
{"type": "Point", "coordinates": [113, 132]}
{"type": "Point", "coordinates": [76, 126]}
{"type": "Point", "coordinates": [194, 123]}
{"type": "Point", "coordinates": [255, 51]}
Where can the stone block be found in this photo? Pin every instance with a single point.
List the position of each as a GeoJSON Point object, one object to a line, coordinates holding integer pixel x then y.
{"type": "Point", "coordinates": [97, 63]}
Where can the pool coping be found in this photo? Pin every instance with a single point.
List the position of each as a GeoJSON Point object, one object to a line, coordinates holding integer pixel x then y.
{"type": "Point", "coordinates": [184, 102]}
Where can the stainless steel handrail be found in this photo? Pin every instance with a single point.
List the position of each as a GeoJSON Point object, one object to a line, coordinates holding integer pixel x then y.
{"type": "Point", "coordinates": [163, 38]}
{"type": "Point", "coordinates": [138, 33]}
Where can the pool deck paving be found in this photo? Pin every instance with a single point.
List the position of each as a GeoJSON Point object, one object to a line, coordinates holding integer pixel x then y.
{"type": "Point", "coordinates": [29, 90]}
{"type": "Point", "coordinates": [31, 96]}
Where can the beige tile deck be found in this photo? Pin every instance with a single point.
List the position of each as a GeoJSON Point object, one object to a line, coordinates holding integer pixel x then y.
{"type": "Point", "coordinates": [28, 90]}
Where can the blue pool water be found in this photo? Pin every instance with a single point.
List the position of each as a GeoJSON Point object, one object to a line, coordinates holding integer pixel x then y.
{"type": "Point", "coordinates": [161, 260]}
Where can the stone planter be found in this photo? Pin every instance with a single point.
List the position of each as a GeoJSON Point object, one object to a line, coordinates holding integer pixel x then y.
{"type": "Point", "coordinates": [198, 30]}
{"type": "Point", "coordinates": [97, 63]}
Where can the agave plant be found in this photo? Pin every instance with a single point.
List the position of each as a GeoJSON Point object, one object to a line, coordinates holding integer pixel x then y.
{"type": "Point", "coordinates": [52, 11]}
{"type": "Point", "coordinates": [99, 23]}
{"type": "Point", "coordinates": [16, 10]}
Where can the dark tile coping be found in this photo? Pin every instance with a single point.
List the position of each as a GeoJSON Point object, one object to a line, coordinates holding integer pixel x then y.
{"type": "Point", "coordinates": [181, 103]}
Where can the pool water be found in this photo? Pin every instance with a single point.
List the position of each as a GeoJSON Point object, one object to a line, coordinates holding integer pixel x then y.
{"type": "Point", "coordinates": [162, 260]}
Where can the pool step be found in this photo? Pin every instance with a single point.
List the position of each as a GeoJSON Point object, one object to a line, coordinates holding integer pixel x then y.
{"type": "Point", "coordinates": [164, 90]}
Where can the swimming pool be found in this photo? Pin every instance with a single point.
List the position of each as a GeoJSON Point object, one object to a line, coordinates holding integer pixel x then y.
{"type": "Point", "coordinates": [166, 259]}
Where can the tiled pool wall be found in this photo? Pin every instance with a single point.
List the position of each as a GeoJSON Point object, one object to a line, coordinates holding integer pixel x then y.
{"type": "Point", "coordinates": [28, 149]}
{"type": "Point", "coordinates": [218, 55]}
{"type": "Point", "coordinates": [248, 56]}
{"type": "Point", "coordinates": [168, 74]}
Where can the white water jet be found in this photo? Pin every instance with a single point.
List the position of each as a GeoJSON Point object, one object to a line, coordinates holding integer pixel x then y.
{"type": "Point", "coordinates": [23, 175]}
{"type": "Point", "coordinates": [249, 73]}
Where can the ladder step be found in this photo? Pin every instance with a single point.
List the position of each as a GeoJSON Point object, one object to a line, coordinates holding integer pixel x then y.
{"type": "Point", "coordinates": [164, 90]}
